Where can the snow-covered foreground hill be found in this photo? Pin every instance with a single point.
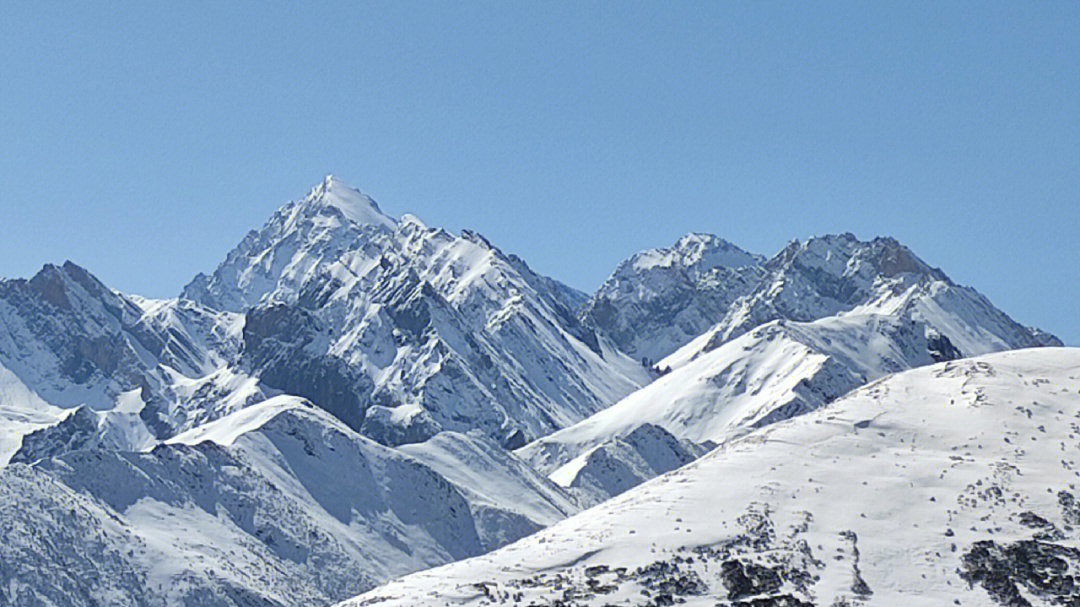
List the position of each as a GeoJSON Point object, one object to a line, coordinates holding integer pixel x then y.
{"type": "Point", "coordinates": [955, 483]}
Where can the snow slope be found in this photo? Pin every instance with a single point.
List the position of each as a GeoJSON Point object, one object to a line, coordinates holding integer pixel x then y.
{"type": "Point", "coordinates": [67, 342]}
{"type": "Point", "coordinates": [953, 482]}
{"type": "Point", "coordinates": [351, 397]}
{"type": "Point", "coordinates": [276, 504]}
{"type": "Point", "coordinates": [625, 461]}
{"type": "Point", "coordinates": [773, 372]}
{"type": "Point", "coordinates": [21, 413]}
{"type": "Point", "coordinates": [508, 498]}
{"type": "Point", "coordinates": [865, 309]}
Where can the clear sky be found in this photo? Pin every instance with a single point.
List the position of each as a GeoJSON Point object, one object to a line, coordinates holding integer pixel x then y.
{"type": "Point", "coordinates": [143, 139]}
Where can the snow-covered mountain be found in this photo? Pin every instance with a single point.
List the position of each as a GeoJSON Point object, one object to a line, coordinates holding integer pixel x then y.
{"type": "Point", "coordinates": [659, 299]}
{"type": "Point", "coordinates": [67, 341]}
{"type": "Point", "coordinates": [507, 497]}
{"type": "Point", "coordinates": [275, 504]}
{"type": "Point", "coordinates": [350, 397]}
{"type": "Point", "coordinates": [867, 309]}
{"type": "Point", "coordinates": [706, 289]}
{"type": "Point", "coordinates": [402, 330]}
{"type": "Point", "coordinates": [831, 274]}
{"type": "Point", "coordinates": [776, 371]}
{"type": "Point", "coordinates": [951, 484]}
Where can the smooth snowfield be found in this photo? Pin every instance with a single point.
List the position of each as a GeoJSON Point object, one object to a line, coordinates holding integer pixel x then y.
{"type": "Point", "coordinates": [879, 498]}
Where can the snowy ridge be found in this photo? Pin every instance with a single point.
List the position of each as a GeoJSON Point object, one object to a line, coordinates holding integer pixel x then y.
{"type": "Point", "coordinates": [508, 499]}
{"type": "Point", "coordinates": [351, 397]}
{"type": "Point", "coordinates": [625, 461]}
{"type": "Point", "coordinates": [224, 431]}
{"type": "Point", "coordinates": [274, 260]}
{"type": "Point", "coordinates": [22, 412]}
{"type": "Point", "coordinates": [866, 309]}
{"type": "Point", "coordinates": [831, 274]}
{"type": "Point", "coordinates": [776, 371]}
{"type": "Point", "coordinates": [274, 504]}
{"type": "Point", "coordinates": [71, 342]}
{"type": "Point", "coordinates": [357, 207]}
{"type": "Point", "coordinates": [940, 484]}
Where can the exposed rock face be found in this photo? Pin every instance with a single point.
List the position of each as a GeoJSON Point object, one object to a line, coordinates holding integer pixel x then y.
{"type": "Point", "coordinates": [283, 347]}
{"type": "Point", "coordinates": [1039, 568]}
{"type": "Point", "coordinates": [72, 339]}
{"type": "Point", "coordinates": [828, 275]}
{"type": "Point", "coordinates": [394, 426]}
{"type": "Point", "coordinates": [79, 430]}
{"type": "Point", "coordinates": [660, 299]}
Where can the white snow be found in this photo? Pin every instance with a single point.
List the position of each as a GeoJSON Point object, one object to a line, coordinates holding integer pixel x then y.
{"type": "Point", "coordinates": [258, 496]}
{"type": "Point", "coordinates": [226, 430]}
{"type": "Point", "coordinates": [21, 412]}
{"type": "Point", "coordinates": [777, 370]}
{"type": "Point", "coordinates": [893, 483]}
{"type": "Point", "coordinates": [354, 204]}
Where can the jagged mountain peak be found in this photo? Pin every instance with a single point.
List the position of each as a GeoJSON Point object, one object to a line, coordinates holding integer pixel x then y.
{"type": "Point", "coordinates": [70, 287]}
{"type": "Point", "coordinates": [659, 299]}
{"type": "Point", "coordinates": [331, 218]}
{"type": "Point", "coordinates": [697, 251]}
{"type": "Point", "coordinates": [838, 273]}
{"type": "Point", "coordinates": [446, 331]}
{"type": "Point", "coordinates": [356, 206]}
{"type": "Point", "coordinates": [845, 254]}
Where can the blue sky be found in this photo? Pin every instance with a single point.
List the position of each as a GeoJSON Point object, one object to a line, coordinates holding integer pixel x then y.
{"type": "Point", "coordinates": [143, 139]}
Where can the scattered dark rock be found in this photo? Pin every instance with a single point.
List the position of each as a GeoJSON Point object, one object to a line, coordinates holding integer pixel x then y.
{"type": "Point", "coordinates": [1041, 568]}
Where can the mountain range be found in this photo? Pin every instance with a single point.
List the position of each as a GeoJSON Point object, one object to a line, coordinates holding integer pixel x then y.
{"type": "Point", "coordinates": [350, 397]}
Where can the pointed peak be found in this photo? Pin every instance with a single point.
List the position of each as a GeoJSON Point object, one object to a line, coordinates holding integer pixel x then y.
{"type": "Point", "coordinates": [703, 240]}
{"type": "Point", "coordinates": [699, 249]}
{"type": "Point", "coordinates": [886, 255]}
{"type": "Point", "coordinates": [53, 283]}
{"type": "Point", "coordinates": [353, 204]}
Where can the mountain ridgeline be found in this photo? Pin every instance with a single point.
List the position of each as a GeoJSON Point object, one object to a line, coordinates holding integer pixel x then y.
{"type": "Point", "coordinates": [349, 397]}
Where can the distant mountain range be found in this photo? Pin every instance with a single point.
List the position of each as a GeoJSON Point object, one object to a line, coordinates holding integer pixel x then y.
{"type": "Point", "coordinates": [350, 397]}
